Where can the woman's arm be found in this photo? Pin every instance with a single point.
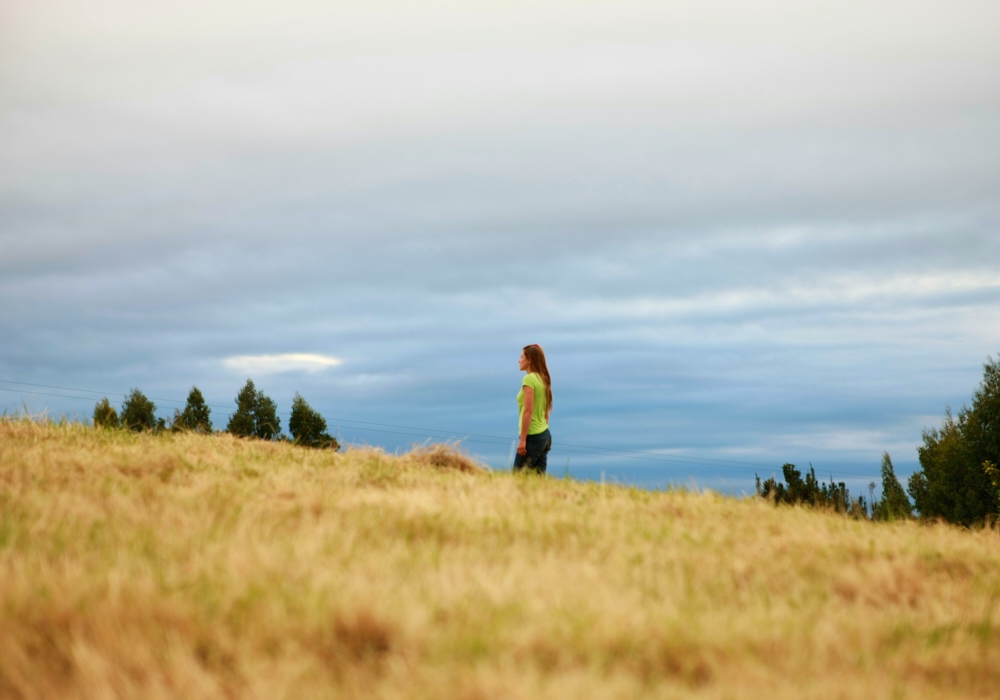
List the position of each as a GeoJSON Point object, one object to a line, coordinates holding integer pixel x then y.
{"type": "Point", "coordinates": [529, 406]}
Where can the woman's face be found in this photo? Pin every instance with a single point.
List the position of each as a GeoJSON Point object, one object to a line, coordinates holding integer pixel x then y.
{"type": "Point", "coordinates": [523, 364]}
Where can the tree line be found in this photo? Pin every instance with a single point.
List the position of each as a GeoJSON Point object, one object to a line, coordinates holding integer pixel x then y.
{"type": "Point", "coordinates": [809, 491]}
{"type": "Point", "coordinates": [958, 480]}
{"type": "Point", "coordinates": [256, 416]}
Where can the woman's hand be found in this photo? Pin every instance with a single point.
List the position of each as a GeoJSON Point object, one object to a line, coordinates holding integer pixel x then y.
{"type": "Point", "coordinates": [522, 445]}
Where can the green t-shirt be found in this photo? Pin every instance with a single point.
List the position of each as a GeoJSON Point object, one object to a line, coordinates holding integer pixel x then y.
{"type": "Point", "coordinates": [538, 422]}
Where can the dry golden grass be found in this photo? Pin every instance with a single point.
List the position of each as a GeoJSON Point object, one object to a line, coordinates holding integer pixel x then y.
{"type": "Point", "coordinates": [201, 567]}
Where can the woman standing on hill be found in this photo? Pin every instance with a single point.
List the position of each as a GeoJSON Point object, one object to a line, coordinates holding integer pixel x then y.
{"type": "Point", "coordinates": [534, 403]}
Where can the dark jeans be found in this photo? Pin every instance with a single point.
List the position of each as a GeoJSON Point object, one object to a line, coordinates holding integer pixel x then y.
{"type": "Point", "coordinates": [537, 456]}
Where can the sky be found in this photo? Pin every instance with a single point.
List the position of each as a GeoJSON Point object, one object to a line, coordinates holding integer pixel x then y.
{"type": "Point", "coordinates": [745, 233]}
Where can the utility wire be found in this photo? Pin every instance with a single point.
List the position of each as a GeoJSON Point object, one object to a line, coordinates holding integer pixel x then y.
{"type": "Point", "coordinates": [616, 451]}
{"type": "Point", "coordinates": [478, 438]}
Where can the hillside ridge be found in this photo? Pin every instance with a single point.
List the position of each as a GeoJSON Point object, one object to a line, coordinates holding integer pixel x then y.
{"type": "Point", "coordinates": [137, 565]}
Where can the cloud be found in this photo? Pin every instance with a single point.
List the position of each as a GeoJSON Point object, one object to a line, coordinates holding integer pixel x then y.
{"type": "Point", "coordinates": [287, 362]}
{"type": "Point", "coordinates": [734, 236]}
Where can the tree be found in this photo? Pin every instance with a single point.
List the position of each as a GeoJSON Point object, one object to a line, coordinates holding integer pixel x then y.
{"type": "Point", "coordinates": [958, 477]}
{"type": "Point", "coordinates": [894, 505]}
{"type": "Point", "coordinates": [138, 412]}
{"type": "Point", "coordinates": [268, 423]}
{"type": "Point", "coordinates": [256, 415]}
{"type": "Point", "coordinates": [105, 415]}
{"type": "Point", "coordinates": [196, 414]}
{"type": "Point", "coordinates": [243, 422]}
{"type": "Point", "coordinates": [982, 431]}
{"type": "Point", "coordinates": [308, 427]}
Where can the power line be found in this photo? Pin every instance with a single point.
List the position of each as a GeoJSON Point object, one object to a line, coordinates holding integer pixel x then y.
{"type": "Point", "coordinates": [479, 438]}
{"type": "Point", "coordinates": [613, 451]}
{"type": "Point", "coordinates": [91, 391]}
{"type": "Point", "coordinates": [468, 437]}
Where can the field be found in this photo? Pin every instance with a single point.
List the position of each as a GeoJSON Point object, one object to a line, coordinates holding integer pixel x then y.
{"type": "Point", "coordinates": [187, 566]}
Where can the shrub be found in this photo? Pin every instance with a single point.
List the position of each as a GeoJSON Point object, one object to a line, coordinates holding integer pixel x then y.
{"type": "Point", "coordinates": [444, 456]}
{"type": "Point", "coordinates": [308, 427]}
{"type": "Point", "coordinates": [105, 415]}
{"type": "Point", "coordinates": [138, 412]}
{"type": "Point", "coordinates": [256, 415]}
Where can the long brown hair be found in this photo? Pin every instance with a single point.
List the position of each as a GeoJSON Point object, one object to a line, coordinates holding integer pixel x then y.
{"type": "Point", "coordinates": [536, 357]}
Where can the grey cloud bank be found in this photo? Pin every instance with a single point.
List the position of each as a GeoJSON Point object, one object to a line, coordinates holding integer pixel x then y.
{"type": "Point", "coordinates": [761, 235]}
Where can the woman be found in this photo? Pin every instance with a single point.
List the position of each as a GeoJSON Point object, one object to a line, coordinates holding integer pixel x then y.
{"type": "Point", "coordinates": [534, 402]}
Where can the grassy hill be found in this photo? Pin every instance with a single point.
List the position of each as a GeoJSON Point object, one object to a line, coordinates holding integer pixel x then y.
{"type": "Point", "coordinates": [202, 567]}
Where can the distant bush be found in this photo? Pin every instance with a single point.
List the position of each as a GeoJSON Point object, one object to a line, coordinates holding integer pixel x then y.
{"type": "Point", "coordinates": [810, 492]}
{"type": "Point", "coordinates": [308, 427]}
{"type": "Point", "coordinates": [959, 479]}
{"type": "Point", "coordinates": [256, 415]}
{"type": "Point", "coordinates": [105, 415]}
{"type": "Point", "coordinates": [196, 414]}
{"type": "Point", "coordinates": [444, 456]}
{"type": "Point", "coordinates": [138, 413]}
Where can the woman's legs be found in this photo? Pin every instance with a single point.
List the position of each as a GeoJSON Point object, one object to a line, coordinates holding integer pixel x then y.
{"type": "Point", "coordinates": [537, 453]}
